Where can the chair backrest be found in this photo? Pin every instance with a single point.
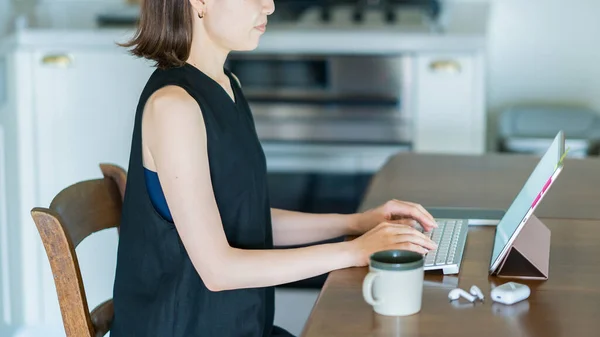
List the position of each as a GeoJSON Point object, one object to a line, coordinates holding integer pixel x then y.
{"type": "Point", "coordinates": [76, 212]}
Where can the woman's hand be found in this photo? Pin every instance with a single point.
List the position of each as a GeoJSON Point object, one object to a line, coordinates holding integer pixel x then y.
{"type": "Point", "coordinates": [387, 236]}
{"type": "Point", "coordinates": [393, 211]}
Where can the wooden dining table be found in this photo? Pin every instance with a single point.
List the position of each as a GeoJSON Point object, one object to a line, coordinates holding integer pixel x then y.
{"type": "Point", "coordinates": [490, 181]}
{"type": "Point", "coordinates": [567, 304]}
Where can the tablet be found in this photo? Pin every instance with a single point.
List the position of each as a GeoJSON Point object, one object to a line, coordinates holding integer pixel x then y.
{"type": "Point", "coordinates": [525, 203]}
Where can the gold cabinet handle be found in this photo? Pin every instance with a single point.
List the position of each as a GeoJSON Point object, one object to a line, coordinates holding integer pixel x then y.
{"type": "Point", "coordinates": [61, 60]}
{"type": "Point", "coordinates": [445, 66]}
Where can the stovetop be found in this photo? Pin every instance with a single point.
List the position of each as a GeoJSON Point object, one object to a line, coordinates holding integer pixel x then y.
{"type": "Point", "coordinates": [292, 10]}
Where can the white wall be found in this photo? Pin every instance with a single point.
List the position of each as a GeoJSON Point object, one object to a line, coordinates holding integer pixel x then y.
{"type": "Point", "coordinates": [5, 309]}
{"type": "Point", "coordinates": [544, 51]}
{"type": "Point", "coordinates": [5, 13]}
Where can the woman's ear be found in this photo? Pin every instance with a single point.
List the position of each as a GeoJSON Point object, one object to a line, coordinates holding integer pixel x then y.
{"type": "Point", "coordinates": [199, 7]}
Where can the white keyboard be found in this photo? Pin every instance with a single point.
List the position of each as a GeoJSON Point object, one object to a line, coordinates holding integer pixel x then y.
{"type": "Point", "coordinates": [450, 236]}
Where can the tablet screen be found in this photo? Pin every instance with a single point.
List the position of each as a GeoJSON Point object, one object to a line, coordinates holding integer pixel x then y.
{"type": "Point", "coordinates": [528, 197]}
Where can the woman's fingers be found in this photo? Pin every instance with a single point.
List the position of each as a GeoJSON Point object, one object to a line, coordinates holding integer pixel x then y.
{"type": "Point", "coordinates": [410, 247]}
{"type": "Point", "coordinates": [403, 233]}
{"type": "Point", "coordinates": [415, 211]}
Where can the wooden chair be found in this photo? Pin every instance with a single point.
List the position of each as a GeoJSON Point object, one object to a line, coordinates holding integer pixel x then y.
{"type": "Point", "coordinates": [75, 213]}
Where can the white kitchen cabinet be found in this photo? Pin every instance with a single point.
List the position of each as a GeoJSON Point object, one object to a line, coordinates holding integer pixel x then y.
{"type": "Point", "coordinates": [84, 112]}
{"type": "Point", "coordinates": [68, 109]}
{"type": "Point", "coordinates": [449, 108]}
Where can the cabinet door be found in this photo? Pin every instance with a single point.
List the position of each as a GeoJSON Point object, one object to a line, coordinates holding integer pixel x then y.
{"type": "Point", "coordinates": [84, 108]}
{"type": "Point", "coordinates": [449, 106]}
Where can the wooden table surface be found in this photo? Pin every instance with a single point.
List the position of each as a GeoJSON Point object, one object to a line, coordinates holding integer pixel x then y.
{"type": "Point", "coordinates": [490, 181]}
{"type": "Point", "coordinates": [567, 304]}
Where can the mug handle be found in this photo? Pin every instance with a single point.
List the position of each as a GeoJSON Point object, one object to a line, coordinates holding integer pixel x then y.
{"type": "Point", "coordinates": [368, 288]}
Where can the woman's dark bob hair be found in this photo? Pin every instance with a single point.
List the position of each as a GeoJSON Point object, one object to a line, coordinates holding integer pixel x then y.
{"type": "Point", "coordinates": [164, 32]}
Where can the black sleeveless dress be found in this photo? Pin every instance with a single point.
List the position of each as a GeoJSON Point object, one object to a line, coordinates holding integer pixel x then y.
{"type": "Point", "coordinates": [157, 291]}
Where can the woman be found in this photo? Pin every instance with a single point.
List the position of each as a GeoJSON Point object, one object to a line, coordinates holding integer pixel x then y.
{"type": "Point", "coordinates": [196, 253]}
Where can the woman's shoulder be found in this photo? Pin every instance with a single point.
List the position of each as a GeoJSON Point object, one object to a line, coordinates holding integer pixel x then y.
{"type": "Point", "coordinates": [170, 99]}
{"type": "Point", "coordinates": [173, 120]}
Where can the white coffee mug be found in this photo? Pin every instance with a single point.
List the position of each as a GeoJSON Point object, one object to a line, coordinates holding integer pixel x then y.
{"type": "Point", "coordinates": [394, 284]}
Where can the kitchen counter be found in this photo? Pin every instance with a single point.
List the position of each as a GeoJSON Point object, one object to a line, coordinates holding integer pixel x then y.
{"type": "Point", "coordinates": [462, 26]}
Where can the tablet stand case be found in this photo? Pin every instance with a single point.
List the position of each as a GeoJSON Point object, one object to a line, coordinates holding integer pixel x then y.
{"type": "Point", "coordinates": [529, 255]}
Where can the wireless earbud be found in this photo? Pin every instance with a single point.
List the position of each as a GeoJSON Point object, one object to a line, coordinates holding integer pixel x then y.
{"type": "Point", "coordinates": [457, 293]}
{"type": "Point", "coordinates": [475, 291]}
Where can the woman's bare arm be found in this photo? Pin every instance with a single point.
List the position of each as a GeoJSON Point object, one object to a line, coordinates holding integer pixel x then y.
{"type": "Point", "coordinates": [295, 228]}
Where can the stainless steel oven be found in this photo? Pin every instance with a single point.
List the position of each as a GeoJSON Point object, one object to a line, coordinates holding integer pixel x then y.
{"type": "Point", "coordinates": [339, 99]}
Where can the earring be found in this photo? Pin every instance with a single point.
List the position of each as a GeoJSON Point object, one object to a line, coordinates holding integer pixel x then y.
{"type": "Point", "coordinates": [201, 15]}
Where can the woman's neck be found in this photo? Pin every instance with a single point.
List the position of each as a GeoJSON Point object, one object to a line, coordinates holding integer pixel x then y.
{"type": "Point", "coordinates": [208, 56]}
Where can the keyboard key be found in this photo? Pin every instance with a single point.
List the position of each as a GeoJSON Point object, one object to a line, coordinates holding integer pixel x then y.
{"type": "Point", "coordinates": [446, 236]}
